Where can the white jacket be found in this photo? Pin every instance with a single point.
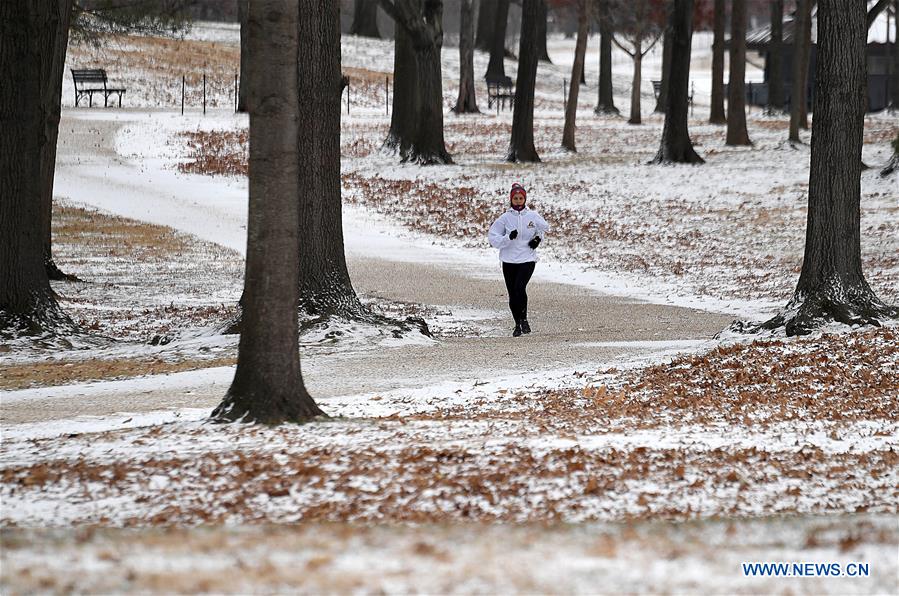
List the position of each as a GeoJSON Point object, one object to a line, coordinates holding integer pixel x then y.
{"type": "Point", "coordinates": [528, 223]}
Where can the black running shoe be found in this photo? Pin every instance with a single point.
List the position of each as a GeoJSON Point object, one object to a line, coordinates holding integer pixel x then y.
{"type": "Point", "coordinates": [525, 328]}
{"type": "Point", "coordinates": [517, 331]}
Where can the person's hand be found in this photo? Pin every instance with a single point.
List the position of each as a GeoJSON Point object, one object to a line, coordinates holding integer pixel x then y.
{"type": "Point", "coordinates": [535, 242]}
{"type": "Point", "coordinates": [513, 235]}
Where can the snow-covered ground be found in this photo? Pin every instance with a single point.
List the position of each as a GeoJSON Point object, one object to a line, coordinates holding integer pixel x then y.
{"type": "Point", "coordinates": [622, 408]}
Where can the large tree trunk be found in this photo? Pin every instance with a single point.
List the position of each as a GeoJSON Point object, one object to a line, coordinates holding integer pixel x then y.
{"type": "Point", "coordinates": [325, 286]}
{"type": "Point", "coordinates": [496, 68]}
{"type": "Point", "coordinates": [243, 90]}
{"type": "Point", "coordinates": [52, 106]}
{"type": "Point", "coordinates": [798, 108]}
{"type": "Point", "coordinates": [543, 52]}
{"type": "Point", "coordinates": [676, 146]}
{"type": "Point", "coordinates": [521, 146]}
{"type": "Point", "coordinates": [419, 32]}
{"type": "Point", "coordinates": [775, 59]}
{"type": "Point", "coordinates": [831, 285]}
{"type": "Point", "coordinates": [30, 31]}
{"type": "Point", "coordinates": [635, 117]}
{"type": "Point", "coordinates": [365, 19]}
{"type": "Point", "coordinates": [736, 92]}
{"type": "Point", "coordinates": [580, 50]}
{"type": "Point", "coordinates": [466, 103]}
{"type": "Point", "coordinates": [717, 115]}
{"type": "Point", "coordinates": [486, 25]}
{"type": "Point", "coordinates": [268, 384]}
{"type": "Point", "coordinates": [667, 49]}
{"type": "Point", "coordinates": [605, 103]}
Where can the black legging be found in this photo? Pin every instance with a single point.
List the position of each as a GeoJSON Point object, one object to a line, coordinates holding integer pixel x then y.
{"type": "Point", "coordinates": [517, 276]}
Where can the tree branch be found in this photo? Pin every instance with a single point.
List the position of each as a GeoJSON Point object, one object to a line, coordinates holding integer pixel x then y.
{"type": "Point", "coordinates": [624, 49]}
{"type": "Point", "coordinates": [876, 10]}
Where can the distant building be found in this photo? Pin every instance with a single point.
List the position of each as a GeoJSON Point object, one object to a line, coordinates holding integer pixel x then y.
{"type": "Point", "coordinates": [881, 40]}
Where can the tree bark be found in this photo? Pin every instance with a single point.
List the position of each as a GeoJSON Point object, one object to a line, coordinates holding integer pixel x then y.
{"type": "Point", "coordinates": [30, 31]}
{"type": "Point", "coordinates": [467, 102]}
{"type": "Point", "coordinates": [605, 103]}
{"type": "Point", "coordinates": [496, 68]}
{"type": "Point", "coordinates": [736, 93]}
{"type": "Point", "coordinates": [667, 49]}
{"type": "Point", "coordinates": [422, 25]}
{"type": "Point", "coordinates": [717, 114]}
{"type": "Point", "coordinates": [52, 106]}
{"type": "Point", "coordinates": [775, 60]}
{"type": "Point", "coordinates": [894, 78]}
{"type": "Point", "coordinates": [831, 285]}
{"type": "Point", "coordinates": [486, 25]}
{"type": "Point", "coordinates": [406, 98]}
{"type": "Point", "coordinates": [365, 19]}
{"type": "Point", "coordinates": [243, 90]}
{"type": "Point", "coordinates": [521, 146]}
{"type": "Point", "coordinates": [580, 51]}
{"type": "Point", "coordinates": [543, 53]}
{"type": "Point", "coordinates": [268, 383]}
{"type": "Point", "coordinates": [676, 146]}
{"type": "Point", "coordinates": [798, 108]}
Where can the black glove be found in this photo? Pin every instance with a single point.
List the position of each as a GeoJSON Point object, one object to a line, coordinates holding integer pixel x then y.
{"type": "Point", "coordinates": [513, 235]}
{"type": "Point", "coordinates": [535, 242]}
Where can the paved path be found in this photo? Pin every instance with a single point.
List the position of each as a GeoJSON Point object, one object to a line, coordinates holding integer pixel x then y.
{"type": "Point", "coordinates": [574, 327]}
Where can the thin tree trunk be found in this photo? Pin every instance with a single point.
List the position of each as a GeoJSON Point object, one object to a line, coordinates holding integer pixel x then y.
{"type": "Point", "coordinates": [496, 68]}
{"type": "Point", "coordinates": [486, 25]}
{"type": "Point", "coordinates": [52, 106]}
{"type": "Point", "coordinates": [800, 64]}
{"type": "Point", "coordinates": [543, 54]}
{"type": "Point", "coordinates": [832, 286]}
{"type": "Point", "coordinates": [775, 60]}
{"type": "Point", "coordinates": [466, 103]}
{"type": "Point", "coordinates": [580, 51]}
{"type": "Point", "coordinates": [635, 85]}
{"type": "Point", "coordinates": [894, 77]}
{"type": "Point", "coordinates": [717, 115]}
{"type": "Point", "coordinates": [676, 146]}
{"type": "Point", "coordinates": [606, 103]}
{"type": "Point", "coordinates": [243, 90]}
{"type": "Point", "coordinates": [521, 146]}
{"type": "Point", "coordinates": [662, 100]}
{"type": "Point", "coordinates": [807, 56]}
{"type": "Point", "coordinates": [736, 93]}
{"type": "Point", "coordinates": [268, 384]}
{"type": "Point", "coordinates": [365, 19]}
{"type": "Point", "coordinates": [30, 31]}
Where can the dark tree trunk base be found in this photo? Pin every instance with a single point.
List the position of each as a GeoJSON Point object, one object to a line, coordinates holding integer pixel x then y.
{"type": "Point", "coordinates": [57, 274]}
{"type": "Point", "coordinates": [607, 110]}
{"type": "Point", "coordinates": [44, 319]}
{"type": "Point", "coordinates": [686, 155]}
{"type": "Point", "coordinates": [465, 108]}
{"type": "Point", "coordinates": [805, 314]}
{"type": "Point", "coordinates": [239, 406]}
{"type": "Point", "coordinates": [411, 154]}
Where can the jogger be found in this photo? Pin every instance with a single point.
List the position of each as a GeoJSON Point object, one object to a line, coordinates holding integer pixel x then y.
{"type": "Point", "coordinates": [517, 234]}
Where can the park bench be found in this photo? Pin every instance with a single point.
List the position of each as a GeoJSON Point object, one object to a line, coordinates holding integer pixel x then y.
{"type": "Point", "coordinates": [499, 90]}
{"type": "Point", "coordinates": [93, 80]}
{"type": "Point", "coordinates": [657, 88]}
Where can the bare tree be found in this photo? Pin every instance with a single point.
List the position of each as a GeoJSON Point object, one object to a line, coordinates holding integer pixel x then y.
{"type": "Point", "coordinates": [496, 68]}
{"type": "Point", "coordinates": [801, 44]}
{"type": "Point", "coordinates": [466, 103]}
{"type": "Point", "coordinates": [736, 92]}
{"type": "Point", "coordinates": [635, 27]}
{"type": "Point", "coordinates": [30, 33]}
{"type": "Point", "coordinates": [243, 7]}
{"type": "Point", "coordinates": [831, 284]}
{"type": "Point", "coordinates": [775, 60]}
{"type": "Point", "coordinates": [543, 52]}
{"type": "Point", "coordinates": [606, 102]}
{"type": "Point", "coordinates": [676, 146]}
{"type": "Point", "coordinates": [577, 67]}
{"type": "Point", "coordinates": [716, 114]}
{"type": "Point", "coordinates": [365, 19]}
{"type": "Point", "coordinates": [268, 383]}
{"type": "Point", "coordinates": [486, 25]}
{"type": "Point", "coordinates": [662, 99]}
{"type": "Point", "coordinates": [416, 129]}
{"type": "Point", "coordinates": [521, 146]}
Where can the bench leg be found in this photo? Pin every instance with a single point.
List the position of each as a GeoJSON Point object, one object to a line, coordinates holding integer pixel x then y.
{"type": "Point", "coordinates": [105, 100]}
{"type": "Point", "coordinates": [90, 100]}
